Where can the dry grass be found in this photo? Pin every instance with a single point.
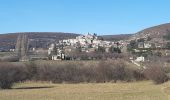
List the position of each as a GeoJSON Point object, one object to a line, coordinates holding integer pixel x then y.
{"type": "Point", "coordinates": [145, 90]}
{"type": "Point", "coordinates": [6, 54]}
{"type": "Point", "coordinates": [166, 89]}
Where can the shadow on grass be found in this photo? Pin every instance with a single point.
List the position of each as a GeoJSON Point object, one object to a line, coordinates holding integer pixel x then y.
{"type": "Point", "coordinates": [38, 87]}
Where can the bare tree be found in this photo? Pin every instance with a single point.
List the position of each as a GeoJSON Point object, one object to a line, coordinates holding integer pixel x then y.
{"type": "Point", "coordinates": [18, 45]}
{"type": "Point", "coordinates": [22, 46]}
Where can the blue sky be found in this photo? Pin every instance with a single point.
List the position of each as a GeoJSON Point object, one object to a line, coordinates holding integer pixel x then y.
{"type": "Point", "coordinates": [82, 16]}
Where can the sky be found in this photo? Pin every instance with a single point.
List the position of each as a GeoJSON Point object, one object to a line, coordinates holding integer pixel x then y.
{"type": "Point", "coordinates": [104, 17]}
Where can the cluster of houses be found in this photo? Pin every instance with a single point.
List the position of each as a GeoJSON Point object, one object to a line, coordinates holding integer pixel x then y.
{"type": "Point", "coordinates": [144, 46]}
{"type": "Point", "coordinates": [84, 43]}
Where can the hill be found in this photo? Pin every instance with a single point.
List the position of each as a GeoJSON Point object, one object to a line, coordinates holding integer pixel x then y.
{"type": "Point", "coordinates": [43, 39]}
{"type": "Point", "coordinates": [40, 39]}
{"type": "Point", "coordinates": [156, 33]}
{"type": "Point", "coordinates": [116, 37]}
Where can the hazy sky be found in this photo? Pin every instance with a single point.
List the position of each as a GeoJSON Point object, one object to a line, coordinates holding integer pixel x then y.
{"type": "Point", "coordinates": [82, 16]}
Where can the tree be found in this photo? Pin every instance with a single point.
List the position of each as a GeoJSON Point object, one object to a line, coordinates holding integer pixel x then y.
{"type": "Point", "coordinates": [22, 46]}
{"type": "Point", "coordinates": [114, 50]}
{"type": "Point", "coordinates": [24, 43]}
{"type": "Point", "coordinates": [168, 45]}
{"type": "Point", "coordinates": [141, 40]}
{"type": "Point", "coordinates": [132, 45]}
{"type": "Point", "coordinates": [10, 74]}
{"type": "Point", "coordinates": [101, 49]}
{"type": "Point", "coordinates": [167, 36]}
{"type": "Point", "coordinates": [156, 73]}
{"type": "Point", "coordinates": [149, 38]}
{"type": "Point", "coordinates": [18, 45]}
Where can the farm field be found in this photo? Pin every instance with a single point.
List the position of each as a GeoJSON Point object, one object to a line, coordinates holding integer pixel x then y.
{"type": "Point", "coordinates": [144, 90]}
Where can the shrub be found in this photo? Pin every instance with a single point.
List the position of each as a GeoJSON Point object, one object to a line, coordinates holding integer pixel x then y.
{"type": "Point", "coordinates": [115, 70]}
{"type": "Point", "coordinates": [104, 72]}
{"type": "Point", "coordinates": [156, 73]}
{"type": "Point", "coordinates": [31, 69]}
{"type": "Point", "coordinates": [78, 72]}
{"type": "Point", "coordinates": [9, 59]}
{"type": "Point", "coordinates": [138, 75]}
{"type": "Point", "coordinates": [61, 73]}
{"type": "Point", "coordinates": [122, 72]}
{"type": "Point", "coordinates": [10, 74]}
{"type": "Point", "coordinates": [68, 72]}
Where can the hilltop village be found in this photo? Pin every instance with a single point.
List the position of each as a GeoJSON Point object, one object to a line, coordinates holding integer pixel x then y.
{"type": "Point", "coordinates": [83, 44]}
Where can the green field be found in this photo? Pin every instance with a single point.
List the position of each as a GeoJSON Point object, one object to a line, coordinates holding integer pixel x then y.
{"type": "Point", "coordinates": [144, 90]}
{"type": "Point", "coordinates": [2, 54]}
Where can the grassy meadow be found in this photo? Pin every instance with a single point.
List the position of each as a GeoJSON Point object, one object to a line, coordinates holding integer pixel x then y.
{"type": "Point", "coordinates": [144, 90]}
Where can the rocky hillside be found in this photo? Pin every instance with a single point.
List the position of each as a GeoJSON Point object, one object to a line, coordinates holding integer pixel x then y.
{"type": "Point", "coordinates": [156, 33]}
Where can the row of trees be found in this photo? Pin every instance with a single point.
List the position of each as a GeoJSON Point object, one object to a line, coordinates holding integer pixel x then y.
{"type": "Point", "coordinates": [21, 47]}
{"type": "Point", "coordinates": [94, 56]}
{"type": "Point", "coordinates": [70, 72]}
